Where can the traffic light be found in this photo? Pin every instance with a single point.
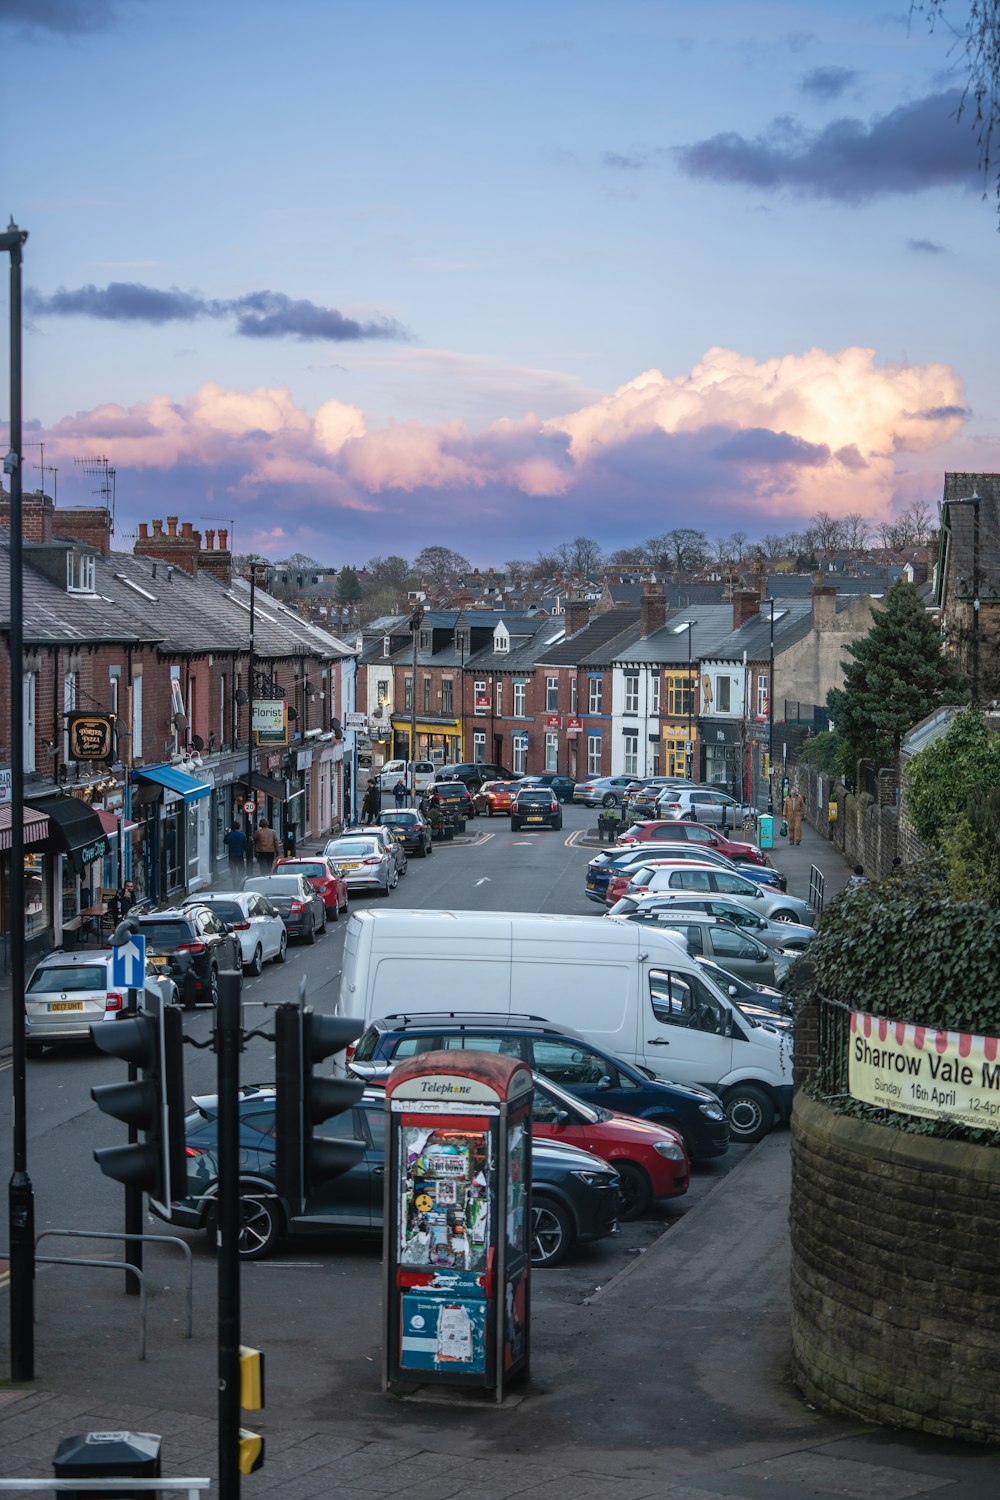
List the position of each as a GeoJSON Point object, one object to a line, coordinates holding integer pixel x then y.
{"type": "Point", "coordinates": [154, 1103]}
{"type": "Point", "coordinates": [304, 1160]}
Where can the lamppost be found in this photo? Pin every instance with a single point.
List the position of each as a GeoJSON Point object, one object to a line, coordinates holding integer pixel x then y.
{"type": "Point", "coordinates": [416, 620]}
{"type": "Point", "coordinates": [254, 564]}
{"type": "Point", "coordinates": [690, 706]}
{"type": "Point", "coordinates": [770, 715]}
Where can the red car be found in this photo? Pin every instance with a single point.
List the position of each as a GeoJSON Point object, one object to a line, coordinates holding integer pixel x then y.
{"type": "Point", "coordinates": [323, 875]}
{"type": "Point", "coordinates": [667, 831]}
{"type": "Point", "coordinates": [650, 1159]}
{"type": "Point", "coordinates": [495, 797]}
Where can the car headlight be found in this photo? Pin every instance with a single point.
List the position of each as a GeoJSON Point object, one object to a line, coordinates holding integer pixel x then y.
{"type": "Point", "coordinates": [673, 1150]}
{"type": "Point", "coordinates": [596, 1179]}
{"type": "Point", "coordinates": [712, 1111]}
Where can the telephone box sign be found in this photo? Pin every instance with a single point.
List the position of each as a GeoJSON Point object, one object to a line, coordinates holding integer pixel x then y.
{"type": "Point", "coordinates": [447, 1089]}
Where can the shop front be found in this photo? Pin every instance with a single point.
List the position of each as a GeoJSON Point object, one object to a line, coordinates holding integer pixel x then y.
{"type": "Point", "coordinates": [70, 863]}
{"type": "Point", "coordinates": [173, 809]}
{"type": "Point", "coordinates": [37, 885]}
{"type": "Point", "coordinates": [723, 742]}
{"type": "Point", "coordinates": [439, 739]}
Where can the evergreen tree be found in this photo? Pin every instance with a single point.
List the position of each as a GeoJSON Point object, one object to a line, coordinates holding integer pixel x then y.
{"type": "Point", "coordinates": [898, 676]}
{"type": "Point", "coordinates": [348, 587]}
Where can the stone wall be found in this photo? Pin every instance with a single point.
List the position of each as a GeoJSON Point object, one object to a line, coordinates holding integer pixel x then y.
{"type": "Point", "coordinates": [866, 834]}
{"type": "Point", "coordinates": [895, 1297]}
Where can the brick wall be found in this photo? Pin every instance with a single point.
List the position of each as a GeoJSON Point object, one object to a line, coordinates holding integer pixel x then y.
{"type": "Point", "coordinates": [866, 834]}
{"type": "Point", "coordinates": [895, 1299]}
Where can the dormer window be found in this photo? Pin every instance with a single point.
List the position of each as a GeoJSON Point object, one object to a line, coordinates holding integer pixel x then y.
{"type": "Point", "coordinates": [424, 641]}
{"type": "Point", "coordinates": [81, 573]}
{"type": "Point", "coordinates": [501, 641]}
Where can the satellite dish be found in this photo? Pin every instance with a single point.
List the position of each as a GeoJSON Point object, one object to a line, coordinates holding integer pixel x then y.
{"type": "Point", "coordinates": [198, 742]}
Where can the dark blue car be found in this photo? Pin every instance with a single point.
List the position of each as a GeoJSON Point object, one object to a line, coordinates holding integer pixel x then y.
{"type": "Point", "coordinates": [579, 1066]}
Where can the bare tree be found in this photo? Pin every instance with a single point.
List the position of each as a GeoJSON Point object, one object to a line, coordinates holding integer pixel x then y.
{"type": "Point", "coordinates": [920, 517]}
{"type": "Point", "coordinates": [627, 558]}
{"type": "Point", "coordinates": [857, 532]}
{"type": "Point", "coordinates": [977, 34]}
{"type": "Point", "coordinates": [773, 546]}
{"type": "Point", "coordinates": [439, 564]}
{"type": "Point", "coordinates": [828, 531]}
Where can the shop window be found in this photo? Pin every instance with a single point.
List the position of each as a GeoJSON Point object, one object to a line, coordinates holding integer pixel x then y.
{"type": "Point", "coordinates": [36, 896]}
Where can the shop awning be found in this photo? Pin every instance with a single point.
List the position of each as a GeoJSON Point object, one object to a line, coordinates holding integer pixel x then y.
{"type": "Point", "coordinates": [174, 781]}
{"type": "Point", "coordinates": [401, 723]}
{"type": "Point", "coordinates": [74, 829]}
{"type": "Point", "coordinates": [109, 822]}
{"type": "Point", "coordinates": [269, 785]}
{"type": "Point", "coordinates": [36, 826]}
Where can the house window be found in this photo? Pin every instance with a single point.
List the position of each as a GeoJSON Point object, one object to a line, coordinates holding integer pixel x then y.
{"type": "Point", "coordinates": [551, 694]}
{"type": "Point", "coordinates": [223, 714]}
{"type": "Point", "coordinates": [81, 574]}
{"type": "Point", "coordinates": [423, 640]}
{"type": "Point", "coordinates": [386, 646]}
{"type": "Point", "coordinates": [381, 692]}
{"type": "Point", "coordinates": [408, 695]}
{"type": "Point", "coordinates": [722, 694]}
{"type": "Point", "coordinates": [519, 745]}
{"type": "Point", "coordinates": [479, 747]}
{"type": "Point", "coordinates": [762, 686]}
{"type": "Point", "coordinates": [69, 706]}
{"type": "Point", "coordinates": [631, 692]}
{"type": "Point", "coordinates": [501, 642]}
{"type": "Point", "coordinates": [114, 686]}
{"type": "Point", "coordinates": [654, 694]}
{"type": "Point", "coordinates": [30, 684]}
{"type": "Point", "coordinates": [593, 755]}
{"type": "Point", "coordinates": [680, 695]}
{"type": "Point", "coordinates": [631, 752]}
{"type": "Point", "coordinates": [596, 698]}
{"type": "Point", "coordinates": [654, 756]}
{"type": "Point", "coordinates": [518, 709]}
{"type": "Point", "coordinates": [499, 692]}
{"type": "Point", "coordinates": [427, 695]}
{"type": "Point", "coordinates": [574, 693]}
{"type": "Point", "coordinates": [137, 717]}
{"type": "Point", "coordinates": [447, 696]}
{"type": "Point", "coordinates": [551, 752]}
{"type": "Point", "coordinates": [479, 693]}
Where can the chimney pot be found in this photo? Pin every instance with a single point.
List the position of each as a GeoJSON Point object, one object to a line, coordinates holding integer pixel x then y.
{"type": "Point", "coordinates": [223, 538]}
{"type": "Point", "coordinates": [157, 528]}
{"type": "Point", "coordinates": [143, 532]}
{"type": "Point", "coordinates": [185, 528]}
{"type": "Point", "coordinates": [209, 540]}
{"type": "Point", "coordinates": [172, 525]}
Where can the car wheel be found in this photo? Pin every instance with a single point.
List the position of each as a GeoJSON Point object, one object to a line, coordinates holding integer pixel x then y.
{"type": "Point", "coordinates": [514, 826]}
{"type": "Point", "coordinates": [634, 1189]}
{"type": "Point", "coordinates": [33, 1051]}
{"type": "Point", "coordinates": [783, 916]}
{"type": "Point", "coordinates": [310, 936]}
{"type": "Point", "coordinates": [551, 1232]}
{"type": "Point", "coordinates": [255, 965]}
{"type": "Point", "coordinates": [489, 811]}
{"type": "Point", "coordinates": [260, 1223]}
{"type": "Point", "coordinates": [282, 952]}
{"type": "Point", "coordinates": [590, 804]}
{"type": "Point", "coordinates": [393, 879]}
{"type": "Point", "coordinates": [557, 825]}
{"type": "Point", "coordinates": [344, 907]}
{"type": "Point", "coordinates": [333, 915]}
{"type": "Point", "coordinates": [213, 986]}
{"type": "Point", "coordinates": [608, 800]}
{"type": "Point", "coordinates": [322, 929]}
{"type": "Point", "coordinates": [750, 1111]}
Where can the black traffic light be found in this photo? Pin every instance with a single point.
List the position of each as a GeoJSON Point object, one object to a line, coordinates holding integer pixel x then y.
{"type": "Point", "coordinates": [304, 1160]}
{"type": "Point", "coordinates": [154, 1104]}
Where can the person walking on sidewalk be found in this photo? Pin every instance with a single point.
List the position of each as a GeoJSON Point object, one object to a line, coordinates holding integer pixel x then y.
{"type": "Point", "coordinates": [399, 792]}
{"type": "Point", "coordinates": [266, 847]}
{"type": "Point", "coordinates": [792, 813]}
{"type": "Point", "coordinates": [236, 847]}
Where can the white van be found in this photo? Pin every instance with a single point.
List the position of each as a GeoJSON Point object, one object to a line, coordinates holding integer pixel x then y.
{"type": "Point", "coordinates": [405, 770]}
{"type": "Point", "coordinates": [632, 990]}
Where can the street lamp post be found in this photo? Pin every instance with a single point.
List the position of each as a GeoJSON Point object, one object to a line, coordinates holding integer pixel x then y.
{"type": "Point", "coordinates": [20, 1194]}
{"type": "Point", "coordinates": [415, 621]}
{"type": "Point", "coordinates": [690, 706]}
{"type": "Point", "coordinates": [770, 715]}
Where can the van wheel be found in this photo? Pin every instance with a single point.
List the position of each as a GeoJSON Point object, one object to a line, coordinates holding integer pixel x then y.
{"type": "Point", "coordinates": [750, 1111]}
{"type": "Point", "coordinates": [551, 1232]}
{"type": "Point", "coordinates": [635, 1189]}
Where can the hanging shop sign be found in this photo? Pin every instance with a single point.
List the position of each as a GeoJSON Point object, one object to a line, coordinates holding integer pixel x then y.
{"type": "Point", "coordinates": [270, 722]}
{"type": "Point", "coordinates": [91, 736]}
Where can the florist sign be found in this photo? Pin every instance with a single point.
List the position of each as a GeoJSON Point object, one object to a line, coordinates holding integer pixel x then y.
{"type": "Point", "coordinates": [917, 1070]}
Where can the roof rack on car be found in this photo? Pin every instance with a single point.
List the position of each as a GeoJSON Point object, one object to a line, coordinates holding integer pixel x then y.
{"type": "Point", "coordinates": [463, 1015]}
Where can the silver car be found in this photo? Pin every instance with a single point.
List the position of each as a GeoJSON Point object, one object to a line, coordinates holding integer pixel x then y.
{"type": "Point", "coordinates": [778, 906]}
{"type": "Point", "coordinates": [710, 937]}
{"type": "Point", "coordinates": [392, 844]}
{"type": "Point", "coordinates": [257, 924]}
{"type": "Point", "coordinates": [366, 863]}
{"type": "Point", "coordinates": [703, 804]}
{"type": "Point", "coordinates": [784, 937]}
{"type": "Point", "coordinates": [603, 791]}
{"type": "Point", "coordinates": [68, 992]}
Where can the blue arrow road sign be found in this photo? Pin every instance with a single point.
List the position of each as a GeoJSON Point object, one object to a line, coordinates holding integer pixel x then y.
{"type": "Point", "coordinates": [128, 963]}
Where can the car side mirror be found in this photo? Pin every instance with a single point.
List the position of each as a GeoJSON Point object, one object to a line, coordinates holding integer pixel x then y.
{"type": "Point", "coordinates": [733, 991]}
{"type": "Point", "coordinates": [605, 1082]}
{"type": "Point", "coordinates": [563, 1117]}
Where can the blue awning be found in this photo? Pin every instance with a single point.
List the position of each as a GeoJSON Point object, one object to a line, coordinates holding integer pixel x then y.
{"type": "Point", "coordinates": [175, 781]}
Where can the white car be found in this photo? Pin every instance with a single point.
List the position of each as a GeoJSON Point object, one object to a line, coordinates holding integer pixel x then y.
{"type": "Point", "coordinates": [254, 921]}
{"type": "Point", "coordinates": [68, 992]}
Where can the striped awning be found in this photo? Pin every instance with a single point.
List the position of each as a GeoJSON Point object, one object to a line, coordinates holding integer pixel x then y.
{"type": "Point", "coordinates": [36, 826]}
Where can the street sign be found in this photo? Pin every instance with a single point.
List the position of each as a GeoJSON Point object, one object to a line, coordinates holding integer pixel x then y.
{"type": "Point", "coordinates": [357, 722]}
{"type": "Point", "coordinates": [128, 963]}
{"type": "Point", "coordinates": [249, 805]}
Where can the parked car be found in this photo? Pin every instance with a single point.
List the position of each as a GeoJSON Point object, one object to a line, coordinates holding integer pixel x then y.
{"type": "Point", "coordinates": [495, 797]}
{"type": "Point", "coordinates": [392, 845]}
{"type": "Point", "coordinates": [657, 858]}
{"type": "Point", "coordinates": [68, 993]}
{"type": "Point", "coordinates": [411, 772]}
{"type": "Point", "coordinates": [704, 804]}
{"type": "Point", "coordinates": [189, 944]}
{"type": "Point", "coordinates": [574, 1195]}
{"type": "Point", "coordinates": [604, 868]}
{"type": "Point", "coordinates": [601, 791]}
{"type": "Point", "coordinates": [785, 937]}
{"type": "Point", "coordinates": [777, 905]}
{"type": "Point", "coordinates": [258, 925]}
{"type": "Point", "coordinates": [668, 831]}
{"type": "Point", "coordinates": [364, 861]}
{"type": "Point", "coordinates": [473, 774]}
{"type": "Point", "coordinates": [535, 807]}
{"type": "Point", "coordinates": [563, 786]}
{"type": "Point", "coordinates": [711, 937]}
{"type": "Point", "coordinates": [761, 1000]}
{"type": "Point", "coordinates": [324, 875]}
{"type": "Point", "coordinates": [562, 1056]}
{"type": "Point", "coordinates": [300, 907]}
{"type": "Point", "coordinates": [412, 831]}
{"type": "Point", "coordinates": [446, 806]}
{"type": "Point", "coordinates": [643, 792]}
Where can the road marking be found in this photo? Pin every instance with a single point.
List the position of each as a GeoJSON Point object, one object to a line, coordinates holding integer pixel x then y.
{"type": "Point", "coordinates": [574, 839]}
{"type": "Point", "coordinates": [484, 881]}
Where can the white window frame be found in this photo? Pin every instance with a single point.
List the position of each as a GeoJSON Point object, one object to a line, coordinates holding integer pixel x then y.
{"type": "Point", "coordinates": [551, 695]}
{"type": "Point", "coordinates": [519, 753]}
{"type": "Point", "coordinates": [29, 699]}
{"type": "Point", "coordinates": [478, 747]}
{"type": "Point", "coordinates": [630, 745]}
{"type": "Point", "coordinates": [81, 573]}
{"type": "Point", "coordinates": [654, 694]}
{"type": "Point", "coordinates": [574, 691]}
{"type": "Point", "coordinates": [595, 696]}
{"type": "Point", "coordinates": [114, 689]}
{"type": "Point", "coordinates": [498, 689]}
{"type": "Point", "coordinates": [723, 684]}
{"type": "Point", "coordinates": [137, 716]}
{"type": "Point", "coordinates": [631, 703]}
{"type": "Point", "coordinates": [594, 747]}
{"type": "Point", "coordinates": [763, 686]}
{"type": "Point", "coordinates": [478, 691]}
{"type": "Point", "coordinates": [551, 750]}
{"type": "Point", "coordinates": [519, 695]}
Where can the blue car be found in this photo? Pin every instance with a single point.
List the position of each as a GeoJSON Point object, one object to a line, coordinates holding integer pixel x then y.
{"type": "Point", "coordinates": [578, 1065]}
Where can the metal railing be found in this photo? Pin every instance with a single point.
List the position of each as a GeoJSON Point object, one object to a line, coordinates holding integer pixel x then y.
{"type": "Point", "coordinates": [191, 1487]}
{"type": "Point", "coordinates": [833, 1042]}
{"type": "Point", "coordinates": [817, 889]}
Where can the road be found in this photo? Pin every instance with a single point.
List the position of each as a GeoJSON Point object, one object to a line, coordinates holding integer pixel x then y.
{"type": "Point", "coordinates": [341, 1274]}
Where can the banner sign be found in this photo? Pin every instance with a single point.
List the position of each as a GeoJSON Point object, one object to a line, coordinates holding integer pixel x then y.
{"type": "Point", "coordinates": [917, 1070]}
{"type": "Point", "coordinates": [91, 736]}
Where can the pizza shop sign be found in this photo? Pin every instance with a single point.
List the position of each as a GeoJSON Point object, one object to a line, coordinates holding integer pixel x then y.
{"type": "Point", "coordinates": [918, 1070]}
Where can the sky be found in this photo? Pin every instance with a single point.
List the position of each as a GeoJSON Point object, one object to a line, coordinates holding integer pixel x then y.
{"type": "Point", "coordinates": [356, 277]}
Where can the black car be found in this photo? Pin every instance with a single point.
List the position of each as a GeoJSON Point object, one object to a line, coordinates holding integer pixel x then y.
{"type": "Point", "coordinates": [475, 774]}
{"type": "Point", "coordinates": [535, 807]}
{"type": "Point", "coordinates": [297, 902]}
{"type": "Point", "coordinates": [412, 831]}
{"type": "Point", "coordinates": [574, 1196]}
{"type": "Point", "coordinates": [446, 806]}
{"type": "Point", "coordinates": [191, 944]}
{"type": "Point", "coordinates": [562, 1055]}
{"type": "Point", "coordinates": [562, 786]}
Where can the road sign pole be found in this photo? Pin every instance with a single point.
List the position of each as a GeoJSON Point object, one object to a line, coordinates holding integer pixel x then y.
{"type": "Point", "coordinates": [133, 1195]}
{"type": "Point", "coordinates": [228, 1041]}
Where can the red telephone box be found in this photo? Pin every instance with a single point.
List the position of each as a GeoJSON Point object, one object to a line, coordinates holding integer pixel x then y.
{"type": "Point", "coordinates": [457, 1220]}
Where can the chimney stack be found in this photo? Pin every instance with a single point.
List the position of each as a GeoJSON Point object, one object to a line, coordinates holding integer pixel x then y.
{"type": "Point", "coordinates": [652, 610]}
{"type": "Point", "coordinates": [157, 528]}
{"type": "Point", "coordinates": [171, 525]}
{"type": "Point", "coordinates": [577, 613]}
{"type": "Point", "coordinates": [210, 540]}
{"type": "Point", "coordinates": [824, 605]}
{"type": "Point", "coordinates": [746, 604]}
{"type": "Point", "coordinates": [180, 551]}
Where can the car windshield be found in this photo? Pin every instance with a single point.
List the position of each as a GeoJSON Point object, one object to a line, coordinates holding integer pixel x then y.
{"type": "Point", "coordinates": [229, 911]}
{"type": "Point", "coordinates": [275, 885]}
{"type": "Point", "coordinates": [314, 869]}
{"type": "Point", "coordinates": [551, 1093]}
{"type": "Point", "coordinates": [539, 795]}
{"type": "Point", "coordinates": [351, 848]}
{"type": "Point", "coordinates": [451, 793]}
{"type": "Point", "coordinates": [398, 819]}
{"type": "Point", "coordinates": [164, 934]}
{"type": "Point", "coordinates": [68, 977]}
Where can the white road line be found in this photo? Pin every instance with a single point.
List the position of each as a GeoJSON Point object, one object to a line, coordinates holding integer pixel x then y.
{"type": "Point", "coordinates": [484, 881]}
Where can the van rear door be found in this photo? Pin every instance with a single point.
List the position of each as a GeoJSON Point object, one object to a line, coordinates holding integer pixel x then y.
{"type": "Point", "coordinates": [684, 1029]}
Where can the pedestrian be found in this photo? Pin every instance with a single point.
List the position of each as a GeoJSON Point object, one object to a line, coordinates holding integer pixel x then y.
{"type": "Point", "coordinates": [266, 847]}
{"type": "Point", "coordinates": [366, 805]}
{"type": "Point", "coordinates": [792, 813]}
{"type": "Point", "coordinates": [858, 876]}
{"type": "Point", "coordinates": [399, 792]}
{"type": "Point", "coordinates": [236, 848]}
{"type": "Point", "coordinates": [376, 792]}
{"type": "Point", "coordinates": [122, 902]}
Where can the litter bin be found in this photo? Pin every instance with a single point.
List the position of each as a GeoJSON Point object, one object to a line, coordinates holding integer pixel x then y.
{"type": "Point", "coordinates": [765, 831]}
{"type": "Point", "coordinates": [107, 1455]}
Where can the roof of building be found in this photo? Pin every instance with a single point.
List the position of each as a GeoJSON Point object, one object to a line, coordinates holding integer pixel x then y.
{"type": "Point", "coordinates": [64, 617]}
{"type": "Point", "coordinates": [591, 640]}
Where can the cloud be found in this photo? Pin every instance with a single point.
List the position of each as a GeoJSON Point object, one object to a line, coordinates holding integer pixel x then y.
{"type": "Point", "coordinates": [829, 82]}
{"type": "Point", "coordinates": [913, 148]}
{"type": "Point", "coordinates": [925, 247]}
{"type": "Point", "coordinates": [65, 17]}
{"type": "Point", "coordinates": [258, 315]}
{"type": "Point", "coordinates": [733, 443]}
